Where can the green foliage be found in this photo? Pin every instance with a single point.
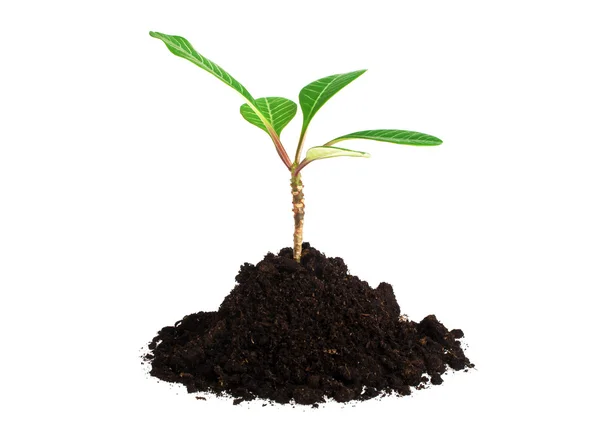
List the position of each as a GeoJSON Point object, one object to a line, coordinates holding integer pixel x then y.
{"type": "Point", "coordinates": [313, 96]}
{"type": "Point", "coordinates": [277, 110]}
{"type": "Point", "coordinates": [322, 152]}
{"type": "Point", "coordinates": [182, 48]}
{"type": "Point", "coordinates": [272, 114]}
{"type": "Point", "coordinates": [392, 136]}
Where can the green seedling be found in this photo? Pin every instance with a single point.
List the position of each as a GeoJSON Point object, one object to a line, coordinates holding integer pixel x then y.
{"type": "Point", "coordinates": [272, 114]}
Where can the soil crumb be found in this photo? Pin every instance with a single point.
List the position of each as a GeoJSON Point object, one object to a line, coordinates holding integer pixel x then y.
{"type": "Point", "coordinates": [302, 332]}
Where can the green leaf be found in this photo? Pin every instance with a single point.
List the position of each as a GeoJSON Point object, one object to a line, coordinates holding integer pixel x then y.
{"type": "Point", "coordinates": [277, 110]}
{"type": "Point", "coordinates": [323, 152]}
{"type": "Point", "coordinates": [314, 95]}
{"type": "Point", "coordinates": [182, 48]}
{"type": "Point", "coordinates": [392, 136]}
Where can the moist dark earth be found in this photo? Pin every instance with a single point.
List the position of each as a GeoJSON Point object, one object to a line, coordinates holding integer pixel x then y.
{"type": "Point", "coordinates": [301, 333]}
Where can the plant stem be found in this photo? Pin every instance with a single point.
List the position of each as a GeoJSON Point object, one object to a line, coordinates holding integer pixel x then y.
{"type": "Point", "coordinates": [296, 168]}
{"type": "Point", "coordinates": [299, 148]}
{"type": "Point", "coordinates": [298, 203]}
{"type": "Point", "coordinates": [278, 145]}
{"type": "Point", "coordinates": [280, 149]}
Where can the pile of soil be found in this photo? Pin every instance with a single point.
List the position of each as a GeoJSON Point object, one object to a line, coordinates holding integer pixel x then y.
{"type": "Point", "coordinates": [303, 332]}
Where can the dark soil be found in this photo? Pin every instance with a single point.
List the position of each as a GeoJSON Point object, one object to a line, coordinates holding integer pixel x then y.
{"type": "Point", "coordinates": [304, 332]}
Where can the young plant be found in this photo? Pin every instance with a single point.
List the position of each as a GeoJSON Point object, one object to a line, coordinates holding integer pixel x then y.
{"type": "Point", "coordinates": [272, 114]}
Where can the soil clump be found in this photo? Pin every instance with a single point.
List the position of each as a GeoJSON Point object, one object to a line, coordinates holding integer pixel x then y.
{"type": "Point", "coordinates": [304, 332]}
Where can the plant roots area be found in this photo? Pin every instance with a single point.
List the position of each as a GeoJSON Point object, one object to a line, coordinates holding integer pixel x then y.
{"type": "Point", "coordinates": [305, 333]}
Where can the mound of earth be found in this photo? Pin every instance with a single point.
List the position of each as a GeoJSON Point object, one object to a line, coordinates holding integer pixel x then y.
{"type": "Point", "coordinates": [304, 332]}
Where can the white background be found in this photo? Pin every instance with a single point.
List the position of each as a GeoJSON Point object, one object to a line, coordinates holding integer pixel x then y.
{"type": "Point", "coordinates": [131, 191]}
